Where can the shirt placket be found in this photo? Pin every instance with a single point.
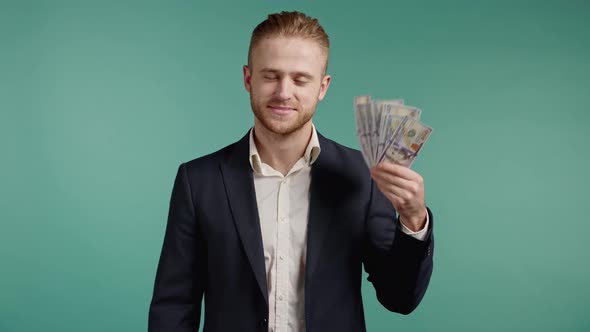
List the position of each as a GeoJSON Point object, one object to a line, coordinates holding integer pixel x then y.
{"type": "Point", "coordinates": [282, 264]}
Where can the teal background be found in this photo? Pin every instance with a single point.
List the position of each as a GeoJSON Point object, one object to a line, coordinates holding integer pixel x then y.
{"type": "Point", "coordinates": [100, 101]}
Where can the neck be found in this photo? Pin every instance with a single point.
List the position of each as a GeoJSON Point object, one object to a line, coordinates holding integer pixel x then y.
{"type": "Point", "coordinates": [281, 152]}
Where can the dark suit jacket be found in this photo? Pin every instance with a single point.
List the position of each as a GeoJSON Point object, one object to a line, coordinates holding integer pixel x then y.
{"type": "Point", "coordinates": [213, 246]}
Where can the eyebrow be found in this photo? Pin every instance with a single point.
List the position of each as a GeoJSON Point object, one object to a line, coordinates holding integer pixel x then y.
{"type": "Point", "coordinates": [296, 74]}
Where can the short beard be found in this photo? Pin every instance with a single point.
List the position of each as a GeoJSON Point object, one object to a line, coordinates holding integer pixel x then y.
{"type": "Point", "coordinates": [280, 130]}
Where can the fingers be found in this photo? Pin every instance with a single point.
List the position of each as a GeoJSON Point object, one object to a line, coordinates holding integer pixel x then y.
{"type": "Point", "coordinates": [402, 194]}
{"type": "Point", "coordinates": [399, 171]}
{"type": "Point", "coordinates": [403, 187]}
{"type": "Point", "coordinates": [387, 179]}
{"type": "Point", "coordinates": [394, 192]}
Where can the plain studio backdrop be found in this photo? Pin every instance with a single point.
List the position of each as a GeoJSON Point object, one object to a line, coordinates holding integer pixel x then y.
{"type": "Point", "coordinates": [101, 101]}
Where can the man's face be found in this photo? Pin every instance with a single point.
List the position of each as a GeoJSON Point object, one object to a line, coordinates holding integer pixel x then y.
{"type": "Point", "coordinates": [285, 81]}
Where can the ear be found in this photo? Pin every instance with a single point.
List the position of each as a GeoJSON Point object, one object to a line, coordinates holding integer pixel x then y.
{"type": "Point", "coordinates": [324, 86]}
{"type": "Point", "coordinates": [247, 77]}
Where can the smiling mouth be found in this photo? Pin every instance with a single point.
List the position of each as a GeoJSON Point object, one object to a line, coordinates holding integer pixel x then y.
{"type": "Point", "coordinates": [282, 108]}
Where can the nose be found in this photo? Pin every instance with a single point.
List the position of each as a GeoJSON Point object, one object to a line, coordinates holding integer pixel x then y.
{"type": "Point", "coordinates": [284, 89]}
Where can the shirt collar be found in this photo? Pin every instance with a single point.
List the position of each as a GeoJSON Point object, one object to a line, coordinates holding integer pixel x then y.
{"type": "Point", "coordinates": [310, 155]}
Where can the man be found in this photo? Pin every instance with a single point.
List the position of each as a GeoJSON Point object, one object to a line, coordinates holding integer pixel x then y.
{"type": "Point", "coordinates": [274, 229]}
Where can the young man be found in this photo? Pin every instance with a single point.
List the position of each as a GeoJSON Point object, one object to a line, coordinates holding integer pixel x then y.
{"type": "Point", "coordinates": [274, 230]}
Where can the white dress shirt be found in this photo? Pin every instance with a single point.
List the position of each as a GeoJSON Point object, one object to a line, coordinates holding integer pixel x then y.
{"type": "Point", "coordinates": [283, 206]}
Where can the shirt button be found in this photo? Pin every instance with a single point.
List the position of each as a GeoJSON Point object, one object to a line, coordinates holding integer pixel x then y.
{"type": "Point", "coordinates": [281, 297]}
{"type": "Point", "coordinates": [282, 218]}
{"type": "Point", "coordinates": [281, 257]}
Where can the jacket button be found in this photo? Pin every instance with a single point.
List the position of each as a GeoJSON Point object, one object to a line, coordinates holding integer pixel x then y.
{"type": "Point", "coordinates": [264, 322]}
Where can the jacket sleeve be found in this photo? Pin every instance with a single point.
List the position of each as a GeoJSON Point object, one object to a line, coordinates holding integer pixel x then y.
{"type": "Point", "coordinates": [399, 266]}
{"type": "Point", "coordinates": [181, 274]}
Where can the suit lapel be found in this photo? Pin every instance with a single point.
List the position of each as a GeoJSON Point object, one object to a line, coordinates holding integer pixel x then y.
{"type": "Point", "coordinates": [239, 186]}
{"type": "Point", "coordinates": [321, 205]}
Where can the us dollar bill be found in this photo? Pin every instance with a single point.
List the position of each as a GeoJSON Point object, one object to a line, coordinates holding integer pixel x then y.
{"type": "Point", "coordinates": [379, 106]}
{"type": "Point", "coordinates": [407, 142]}
{"type": "Point", "coordinates": [362, 111]}
{"type": "Point", "coordinates": [388, 130]}
{"type": "Point", "coordinates": [392, 117]}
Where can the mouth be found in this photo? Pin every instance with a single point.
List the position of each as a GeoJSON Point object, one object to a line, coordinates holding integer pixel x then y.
{"type": "Point", "coordinates": [281, 110]}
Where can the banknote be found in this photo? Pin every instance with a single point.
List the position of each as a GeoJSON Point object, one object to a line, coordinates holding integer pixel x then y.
{"type": "Point", "coordinates": [392, 116]}
{"type": "Point", "coordinates": [389, 130]}
{"type": "Point", "coordinates": [407, 142]}
{"type": "Point", "coordinates": [362, 109]}
{"type": "Point", "coordinates": [380, 105]}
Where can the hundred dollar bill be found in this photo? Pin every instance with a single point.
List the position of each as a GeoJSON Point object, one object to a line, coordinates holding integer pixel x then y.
{"type": "Point", "coordinates": [362, 112]}
{"type": "Point", "coordinates": [407, 142]}
{"type": "Point", "coordinates": [378, 117]}
{"type": "Point", "coordinates": [373, 131]}
{"type": "Point", "coordinates": [392, 117]}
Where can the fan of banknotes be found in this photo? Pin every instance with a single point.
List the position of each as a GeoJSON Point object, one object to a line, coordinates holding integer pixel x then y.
{"type": "Point", "coordinates": [388, 130]}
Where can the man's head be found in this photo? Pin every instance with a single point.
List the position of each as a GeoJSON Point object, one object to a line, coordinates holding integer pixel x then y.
{"type": "Point", "coordinates": [286, 71]}
{"type": "Point", "coordinates": [291, 25]}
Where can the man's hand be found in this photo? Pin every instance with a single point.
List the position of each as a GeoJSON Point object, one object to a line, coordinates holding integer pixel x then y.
{"type": "Point", "coordinates": [405, 190]}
